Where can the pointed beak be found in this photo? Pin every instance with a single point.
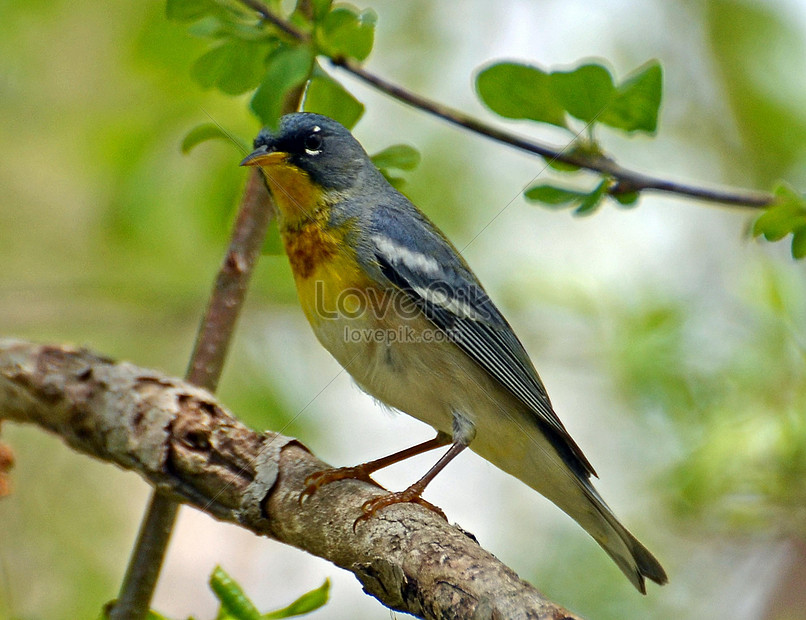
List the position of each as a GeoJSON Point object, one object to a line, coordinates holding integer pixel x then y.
{"type": "Point", "coordinates": [263, 157]}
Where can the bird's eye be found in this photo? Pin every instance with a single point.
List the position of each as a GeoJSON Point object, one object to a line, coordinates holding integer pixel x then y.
{"type": "Point", "coordinates": [313, 144]}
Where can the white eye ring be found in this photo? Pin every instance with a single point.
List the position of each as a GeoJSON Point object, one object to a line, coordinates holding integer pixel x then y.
{"type": "Point", "coordinates": [313, 142]}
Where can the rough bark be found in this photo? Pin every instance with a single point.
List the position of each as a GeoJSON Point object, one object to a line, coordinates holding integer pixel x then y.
{"type": "Point", "coordinates": [181, 440]}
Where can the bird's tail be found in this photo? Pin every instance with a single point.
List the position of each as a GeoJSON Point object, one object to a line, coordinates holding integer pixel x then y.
{"type": "Point", "coordinates": [634, 560]}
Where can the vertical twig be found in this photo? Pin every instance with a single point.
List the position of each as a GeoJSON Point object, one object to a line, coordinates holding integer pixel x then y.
{"type": "Point", "coordinates": [204, 369]}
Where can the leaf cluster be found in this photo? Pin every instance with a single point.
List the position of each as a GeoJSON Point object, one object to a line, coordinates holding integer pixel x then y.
{"type": "Point", "coordinates": [786, 216]}
{"type": "Point", "coordinates": [587, 93]}
{"type": "Point", "coordinates": [252, 54]}
{"type": "Point", "coordinates": [249, 54]}
{"type": "Point", "coordinates": [234, 604]}
{"type": "Point", "coordinates": [275, 56]}
{"type": "Point", "coordinates": [577, 100]}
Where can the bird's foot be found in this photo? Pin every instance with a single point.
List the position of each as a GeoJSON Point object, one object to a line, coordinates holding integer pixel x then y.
{"type": "Point", "coordinates": [408, 496]}
{"type": "Point", "coordinates": [320, 478]}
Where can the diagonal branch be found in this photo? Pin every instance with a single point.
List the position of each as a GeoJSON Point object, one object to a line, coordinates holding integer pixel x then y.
{"type": "Point", "coordinates": [625, 180]}
{"type": "Point", "coordinates": [184, 443]}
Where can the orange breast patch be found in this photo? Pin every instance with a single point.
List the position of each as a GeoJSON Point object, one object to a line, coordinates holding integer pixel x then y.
{"type": "Point", "coordinates": [309, 247]}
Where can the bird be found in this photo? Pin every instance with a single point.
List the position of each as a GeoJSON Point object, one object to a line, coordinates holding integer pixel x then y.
{"type": "Point", "coordinates": [396, 304]}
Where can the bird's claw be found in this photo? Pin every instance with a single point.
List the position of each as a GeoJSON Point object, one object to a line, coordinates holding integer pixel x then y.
{"type": "Point", "coordinates": [372, 506]}
{"type": "Point", "coordinates": [319, 479]}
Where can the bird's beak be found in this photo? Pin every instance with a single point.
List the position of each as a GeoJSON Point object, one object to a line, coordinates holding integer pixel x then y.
{"type": "Point", "coordinates": [263, 157]}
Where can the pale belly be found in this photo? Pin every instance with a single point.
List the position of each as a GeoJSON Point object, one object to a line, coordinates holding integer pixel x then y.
{"type": "Point", "coordinates": [392, 365]}
{"type": "Point", "coordinates": [380, 345]}
{"type": "Point", "coordinates": [431, 381]}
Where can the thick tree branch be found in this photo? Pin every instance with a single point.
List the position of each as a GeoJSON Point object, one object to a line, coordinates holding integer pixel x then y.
{"type": "Point", "coordinates": [186, 445]}
{"type": "Point", "coordinates": [625, 180]}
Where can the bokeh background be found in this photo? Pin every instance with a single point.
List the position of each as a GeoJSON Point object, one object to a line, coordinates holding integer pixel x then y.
{"type": "Point", "coordinates": [672, 343]}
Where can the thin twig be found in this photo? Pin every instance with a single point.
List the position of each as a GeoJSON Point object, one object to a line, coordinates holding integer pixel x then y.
{"type": "Point", "coordinates": [229, 290]}
{"type": "Point", "coordinates": [204, 370]}
{"type": "Point", "coordinates": [146, 559]}
{"type": "Point", "coordinates": [207, 360]}
{"type": "Point", "coordinates": [264, 12]}
{"type": "Point", "coordinates": [625, 180]}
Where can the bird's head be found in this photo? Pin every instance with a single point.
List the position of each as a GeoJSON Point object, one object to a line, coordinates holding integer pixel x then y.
{"type": "Point", "coordinates": [308, 157]}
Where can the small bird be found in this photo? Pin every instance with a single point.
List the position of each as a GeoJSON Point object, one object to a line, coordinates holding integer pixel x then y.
{"type": "Point", "coordinates": [395, 303]}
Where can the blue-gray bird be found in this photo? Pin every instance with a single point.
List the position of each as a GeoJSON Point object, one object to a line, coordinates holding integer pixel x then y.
{"type": "Point", "coordinates": [395, 303]}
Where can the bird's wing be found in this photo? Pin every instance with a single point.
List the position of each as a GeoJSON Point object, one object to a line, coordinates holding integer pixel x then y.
{"type": "Point", "coordinates": [434, 276]}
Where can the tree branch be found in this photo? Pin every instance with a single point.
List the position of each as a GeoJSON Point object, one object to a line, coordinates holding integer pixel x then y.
{"type": "Point", "coordinates": [184, 443]}
{"type": "Point", "coordinates": [626, 180]}
{"type": "Point", "coordinates": [232, 281]}
{"type": "Point", "coordinates": [204, 369]}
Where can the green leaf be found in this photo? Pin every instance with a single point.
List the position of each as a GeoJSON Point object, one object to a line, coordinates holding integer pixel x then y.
{"type": "Point", "coordinates": [514, 90]}
{"type": "Point", "coordinates": [786, 215]}
{"type": "Point", "coordinates": [637, 102]}
{"type": "Point", "coordinates": [343, 32]}
{"type": "Point", "coordinates": [395, 181]}
{"type": "Point", "coordinates": [209, 27]}
{"type": "Point", "coordinates": [551, 195]}
{"type": "Point", "coordinates": [288, 67]}
{"type": "Point", "coordinates": [224, 21]}
{"type": "Point", "coordinates": [799, 243]}
{"type": "Point", "coordinates": [209, 131]}
{"type": "Point", "coordinates": [627, 199]}
{"type": "Point", "coordinates": [320, 8]}
{"type": "Point", "coordinates": [590, 203]}
{"type": "Point", "coordinates": [325, 95]}
{"type": "Point", "coordinates": [234, 601]}
{"type": "Point", "coordinates": [561, 166]}
{"type": "Point", "coordinates": [234, 67]}
{"type": "Point", "coordinates": [397, 156]}
{"type": "Point", "coordinates": [190, 10]}
{"type": "Point", "coordinates": [584, 92]}
{"type": "Point", "coordinates": [304, 604]}
{"type": "Point", "coordinates": [559, 197]}
{"type": "Point", "coordinates": [778, 221]}
{"type": "Point", "coordinates": [587, 93]}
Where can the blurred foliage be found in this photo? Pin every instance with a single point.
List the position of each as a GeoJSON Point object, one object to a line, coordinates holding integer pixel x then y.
{"type": "Point", "coordinates": [735, 408]}
{"type": "Point", "coordinates": [109, 237]}
{"type": "Point", "coordinates": [757, 49]}
{"type": "Point", "coordinates": [759, 53]}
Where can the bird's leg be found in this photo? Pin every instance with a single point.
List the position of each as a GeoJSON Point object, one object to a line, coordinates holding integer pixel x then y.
{"type": "Point", "coordinates": [464, 430]}
{"type": "Point", "coordinates": [414, 492]}
{"type": "Point", "coordinates": [363, 471]}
